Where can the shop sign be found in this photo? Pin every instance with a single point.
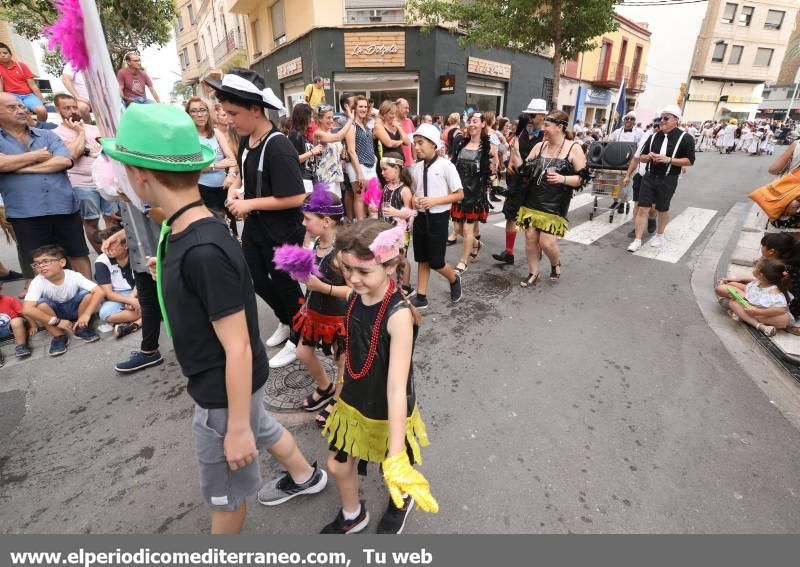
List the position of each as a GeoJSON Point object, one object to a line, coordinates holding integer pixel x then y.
{"type": "Point", "coordinates": [489, 68]}
{"type": "Point", "coordinates": [447, 84]}
{"type": "Point", "coordinates": [290, 68]}
{"type": "Point", "coordinates": [375, 49]}
{"type": "Point", "coordinates": [598, 97]}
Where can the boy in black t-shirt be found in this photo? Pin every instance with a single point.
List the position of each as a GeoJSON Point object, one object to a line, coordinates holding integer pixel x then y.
{"type": "Point", "coordinates": [208, 305]}
{"type": "Point", "coordinates": [273, 197]}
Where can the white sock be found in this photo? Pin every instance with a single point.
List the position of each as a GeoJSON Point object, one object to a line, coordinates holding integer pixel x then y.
{"type": "Point", "coordinates": [351, 515]}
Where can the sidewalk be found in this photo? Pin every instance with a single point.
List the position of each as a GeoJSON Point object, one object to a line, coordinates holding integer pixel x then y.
{"type": "Point", "coordinates": [748, 248]}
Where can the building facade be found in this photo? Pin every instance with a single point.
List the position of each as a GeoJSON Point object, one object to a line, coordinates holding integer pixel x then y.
{"type": "Point", "coordinates": [365, 47]}
{"type": "Point", "coordinates": [739, 50]}
{"type": "Point", "coordinates": [209, 39]}
{"type": "Point", "coordinates": [590, 83]}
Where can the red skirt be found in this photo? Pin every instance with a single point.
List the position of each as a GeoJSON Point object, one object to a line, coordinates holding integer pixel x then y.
{"type": "Point", "coordinates": [476, 213]}
{"type": "Point", "coordinates": [325, 332]}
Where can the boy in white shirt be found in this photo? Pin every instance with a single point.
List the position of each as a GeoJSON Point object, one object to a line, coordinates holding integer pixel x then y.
{"type": "Point", "coordinates": [437, 185]}
{"type": "Point", "coordinates": [61, 300]}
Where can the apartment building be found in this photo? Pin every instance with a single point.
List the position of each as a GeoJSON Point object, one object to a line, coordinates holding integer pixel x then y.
{"type": "Point", "coordinates": [366, 47]}
{"type": "Point", "coordinates": [590, 82]}
{"type": "Point", "coordinates": [209, 39]}
{"type": "Point", "coordinates": [777, 98]}
{"type": "Point", "coordinates": [739, 50]}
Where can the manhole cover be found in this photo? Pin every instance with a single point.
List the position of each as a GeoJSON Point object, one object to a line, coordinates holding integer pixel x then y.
{"type": "Point", "coordinates": [485, 285]}
{"type": "Point", "coordinates": [287, 387]}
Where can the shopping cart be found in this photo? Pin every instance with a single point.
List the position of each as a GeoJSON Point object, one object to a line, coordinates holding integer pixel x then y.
{"type": "Point", "coordinates": [608, 183]}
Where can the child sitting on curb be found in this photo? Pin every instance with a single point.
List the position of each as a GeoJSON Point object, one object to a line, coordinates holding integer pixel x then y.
{"type": "Point", "coordinates": [765, 305]}
{"type": "Point", "coordinates": [13, 323]}
{"type": "Point", "coordinates": [112, 271]}
{"type": "Point", "coordinates": [61, 300]}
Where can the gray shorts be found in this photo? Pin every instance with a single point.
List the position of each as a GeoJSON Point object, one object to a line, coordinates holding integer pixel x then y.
{"type": "Point", "coordinates": [224, 489]}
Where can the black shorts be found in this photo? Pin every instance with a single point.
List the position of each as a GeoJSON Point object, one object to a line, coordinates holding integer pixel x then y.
{"type": "Point", "coordinates": [430, 238]}
{"type": "Point", "coordinates": [515, 196]}
{"type": "Point", "coordinates": [636, 184]}
{"type": "Point", "coordinates": [657, 191]}
{"type": "Point", "coordinates": [62, 230]}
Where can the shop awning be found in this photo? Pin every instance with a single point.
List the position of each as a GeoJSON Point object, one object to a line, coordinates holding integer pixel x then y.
{"type": "Point", "coordinates": [380, 77]}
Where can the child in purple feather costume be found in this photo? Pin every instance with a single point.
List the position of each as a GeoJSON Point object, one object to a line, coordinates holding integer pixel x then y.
{"type": "Point", "coordinates": [320, 322]}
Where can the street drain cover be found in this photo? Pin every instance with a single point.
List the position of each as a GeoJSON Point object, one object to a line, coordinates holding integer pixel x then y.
{"type": "Point", "coordinates": [485, 285]}
{"type": "Point", "coordinates": [287, 387]}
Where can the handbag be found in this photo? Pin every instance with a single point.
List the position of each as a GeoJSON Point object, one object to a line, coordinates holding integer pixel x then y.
{"type": "Point", "coordinates": [774, 197]}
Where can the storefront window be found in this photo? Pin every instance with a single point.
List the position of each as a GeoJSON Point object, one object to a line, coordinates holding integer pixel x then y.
{"type": "Point", "coordinates": [482, 102]}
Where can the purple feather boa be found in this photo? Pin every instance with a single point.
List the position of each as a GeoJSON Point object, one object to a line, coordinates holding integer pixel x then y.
{"type": "Point", "coordinates": [297, 261]}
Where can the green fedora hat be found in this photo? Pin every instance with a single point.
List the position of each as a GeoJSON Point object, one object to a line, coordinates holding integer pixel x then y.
{"type": "Point", "coordinates": [160, 137]}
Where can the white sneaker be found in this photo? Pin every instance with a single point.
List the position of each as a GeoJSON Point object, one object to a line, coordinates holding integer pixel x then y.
{"type": "Point", "coordinates": [635, 245]}
{"type": "Point", "coordinates": [280, 335]}
{"type": "Point", "coordinates": [285, 357]}
{"type": "Point", "coordinates": [657, 241]}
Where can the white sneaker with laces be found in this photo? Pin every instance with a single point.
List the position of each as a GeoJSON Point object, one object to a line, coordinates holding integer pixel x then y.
{"type": "Point", "coordinates": [280, 335]}
{"type": "Point", "coordinates": [657, 241]}
{"type": "Point", "coordinates": [285, 357]}
{"type": "Point", "coordinates": [635, 245]}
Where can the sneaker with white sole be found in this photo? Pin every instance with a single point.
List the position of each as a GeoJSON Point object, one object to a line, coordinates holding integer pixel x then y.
{"type": "Point", "coordinates": [657, 241]}
{"type": "Point", "coordinates": [343, 527]}
{"type": "Point", "coordinates": [281, 335]}
{"type": "Point", "coordinates": [285, 357]}
{"type": "Point", "coordinates": [635, 246]}
{"type": "Point", "coordinates": [394, 520]}
{"type": "Point", "coordinates": [283, 489]}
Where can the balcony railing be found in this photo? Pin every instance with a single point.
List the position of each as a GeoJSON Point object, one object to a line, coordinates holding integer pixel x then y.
{"type": "Point", "coordinates": [613, 75]}
{"type": "Point", "coordinates": [232, 42]}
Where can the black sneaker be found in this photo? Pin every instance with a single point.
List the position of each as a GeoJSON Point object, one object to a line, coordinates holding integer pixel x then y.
{"type": "Point", "coordinates": [505, 257]}
{"type": "Point", "coordinates": [394, 520]}
{"type": "Point", "coordinates": [344, 527]}
{"type": "Point", "coordinates": [494, 198]}
{"type": "Point", "coordinates": [409, 291]}
{"type": "Point", "coordinates": [22, 351]}
{"type": "Point", "coordinates": [284, 489]}
{"type": "Point", "coordinates": [651, 225]}
{"type": "Point", "coordinates": [455, 290]}
{"type": "Point", "coordinates": [420, 302]}
{"type": "Point", "coordinates": [11, 276]}
{"type": "Point", "coordinates": [139, 361]}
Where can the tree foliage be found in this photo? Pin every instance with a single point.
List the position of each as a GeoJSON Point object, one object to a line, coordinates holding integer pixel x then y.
{"type": "Point", "coordinates": [569, 27]}
{"type": "Point", "coordinates": [127, 24]}
{"type": "Point", "coordinates": [181, 91]}
{"type": "Point", "coordinates": [53, 62]}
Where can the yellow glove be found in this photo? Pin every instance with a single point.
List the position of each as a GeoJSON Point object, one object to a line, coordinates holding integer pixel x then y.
{"type": "Point", "coordinates": [400, 477]}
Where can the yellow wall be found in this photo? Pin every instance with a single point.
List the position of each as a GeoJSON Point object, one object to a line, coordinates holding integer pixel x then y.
{"type": "Point", "coordinates": [591, 59]}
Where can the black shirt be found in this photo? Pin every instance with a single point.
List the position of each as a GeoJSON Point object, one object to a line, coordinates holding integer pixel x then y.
{"type": "Point", "coordinates": [685, 150]}
{"type": "Point", "coordinates": [206, 279]}
{"type": "Point", "coordinates": [303, 146]}
{"type": "Point", "coordinates": [281, 178]}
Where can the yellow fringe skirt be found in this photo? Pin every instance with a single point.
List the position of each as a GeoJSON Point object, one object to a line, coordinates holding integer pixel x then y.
{"type": "Point", "coordinates": [367, 439]}
{"type": "Point", "coordinates": [546, 222]}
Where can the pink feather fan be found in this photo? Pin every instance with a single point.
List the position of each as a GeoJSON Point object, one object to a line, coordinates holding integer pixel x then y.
{"type": "Point", "coordinates": [297, 261]}
{"type": "Point", "coordinates": [67, 34]}
{"type": "Point", "coordinates": [388, 243]}
{"type": "Point", "coordinates": [372, 195]}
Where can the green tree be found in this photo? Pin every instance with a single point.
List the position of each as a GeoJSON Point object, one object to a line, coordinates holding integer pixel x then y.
{"type": "Point", "coordinates": [53, 62]}
{"type": "Point", "coordinates": [181, 91]}
{"type": "Point", "coordinates": [127, 25]}
{"type": "Point", "coordinates": [568, 27]}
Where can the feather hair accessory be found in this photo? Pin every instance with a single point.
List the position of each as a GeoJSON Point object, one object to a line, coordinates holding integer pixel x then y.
{"type": "Point", "coordinates": [67, 34]}
{"type": "Point", "coordinates": [387, 244]}
{"type": "Point", "coordinates": [372, 195]}
{"type": "Point", "coordinates": [297, 261]}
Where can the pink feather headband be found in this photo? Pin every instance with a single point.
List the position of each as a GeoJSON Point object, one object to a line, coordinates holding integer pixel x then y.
{"type": "Point", "coordinates": [386, 246]}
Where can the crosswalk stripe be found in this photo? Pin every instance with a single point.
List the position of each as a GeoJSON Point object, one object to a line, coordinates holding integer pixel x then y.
{"type": "Point", "coordinates": [588, 232]}
{"type": "Point", "coordinates": [681, 233]}
{"type": "Point", "coordinates": [578, 201]}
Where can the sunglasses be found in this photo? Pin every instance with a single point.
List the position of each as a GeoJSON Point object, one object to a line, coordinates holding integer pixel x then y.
{"type": "Point", "coordinates": [667, 117]}
{"type": "Point", "coordinates": [324, 108]}
{"type": "Point", "coordinates": [626, 119]}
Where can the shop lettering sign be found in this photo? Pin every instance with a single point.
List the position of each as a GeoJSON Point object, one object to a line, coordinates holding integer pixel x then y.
{"type": "Point", "coordinates": [290, 68]}
{"type": "Point", "coordinates": [489, 68]}
{"type": "Point", "coordinates": [598, 96]}
{"type": "Point", "coordinates": [375, 49]}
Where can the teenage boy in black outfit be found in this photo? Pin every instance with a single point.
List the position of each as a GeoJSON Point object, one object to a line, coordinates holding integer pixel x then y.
{"type": "Point", "coordinates": [207, 300]}
{"type": "Point", "coordinates": [273, 197]}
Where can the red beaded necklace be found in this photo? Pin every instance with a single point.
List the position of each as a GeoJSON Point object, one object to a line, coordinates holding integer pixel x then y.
{"type": "Point", "coordinates": [373, 341]}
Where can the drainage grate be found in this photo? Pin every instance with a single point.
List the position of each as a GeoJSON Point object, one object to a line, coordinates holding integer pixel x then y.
{"type": "Point", "coordinates": [287, 387]}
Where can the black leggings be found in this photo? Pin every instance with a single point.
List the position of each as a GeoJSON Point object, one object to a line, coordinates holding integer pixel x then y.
{"type": "Point", "coordinates": [151, 312]}
{"type": "Point", "coordinates": [281, 292]}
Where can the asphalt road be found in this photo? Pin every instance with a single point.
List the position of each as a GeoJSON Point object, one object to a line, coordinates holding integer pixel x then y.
{"type": "Point", "coordinates": [603, 403]}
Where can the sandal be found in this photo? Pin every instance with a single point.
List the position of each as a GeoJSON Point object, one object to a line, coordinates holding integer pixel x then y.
{"type": "Point", "coordinates": [723, 302]}
{"type": "Point", "coordinates": [531, 281]}
{"type": "Point", "coordinates": [474, 254]}
{"type": "Point", "coordinates": [459, 269]}
{"type": "Point", "coordinates": [768, 330]}
{"type": "Point", "coordinates": [452, 242]}
{"type": "Point", "coordinates": [555, 273]}
{"type": "Point", "coordinates": [313, 404]}
{"type": "Point", "coordinates": [322, 417]}
{"type": "Point", "coordinates": [125, 329]}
